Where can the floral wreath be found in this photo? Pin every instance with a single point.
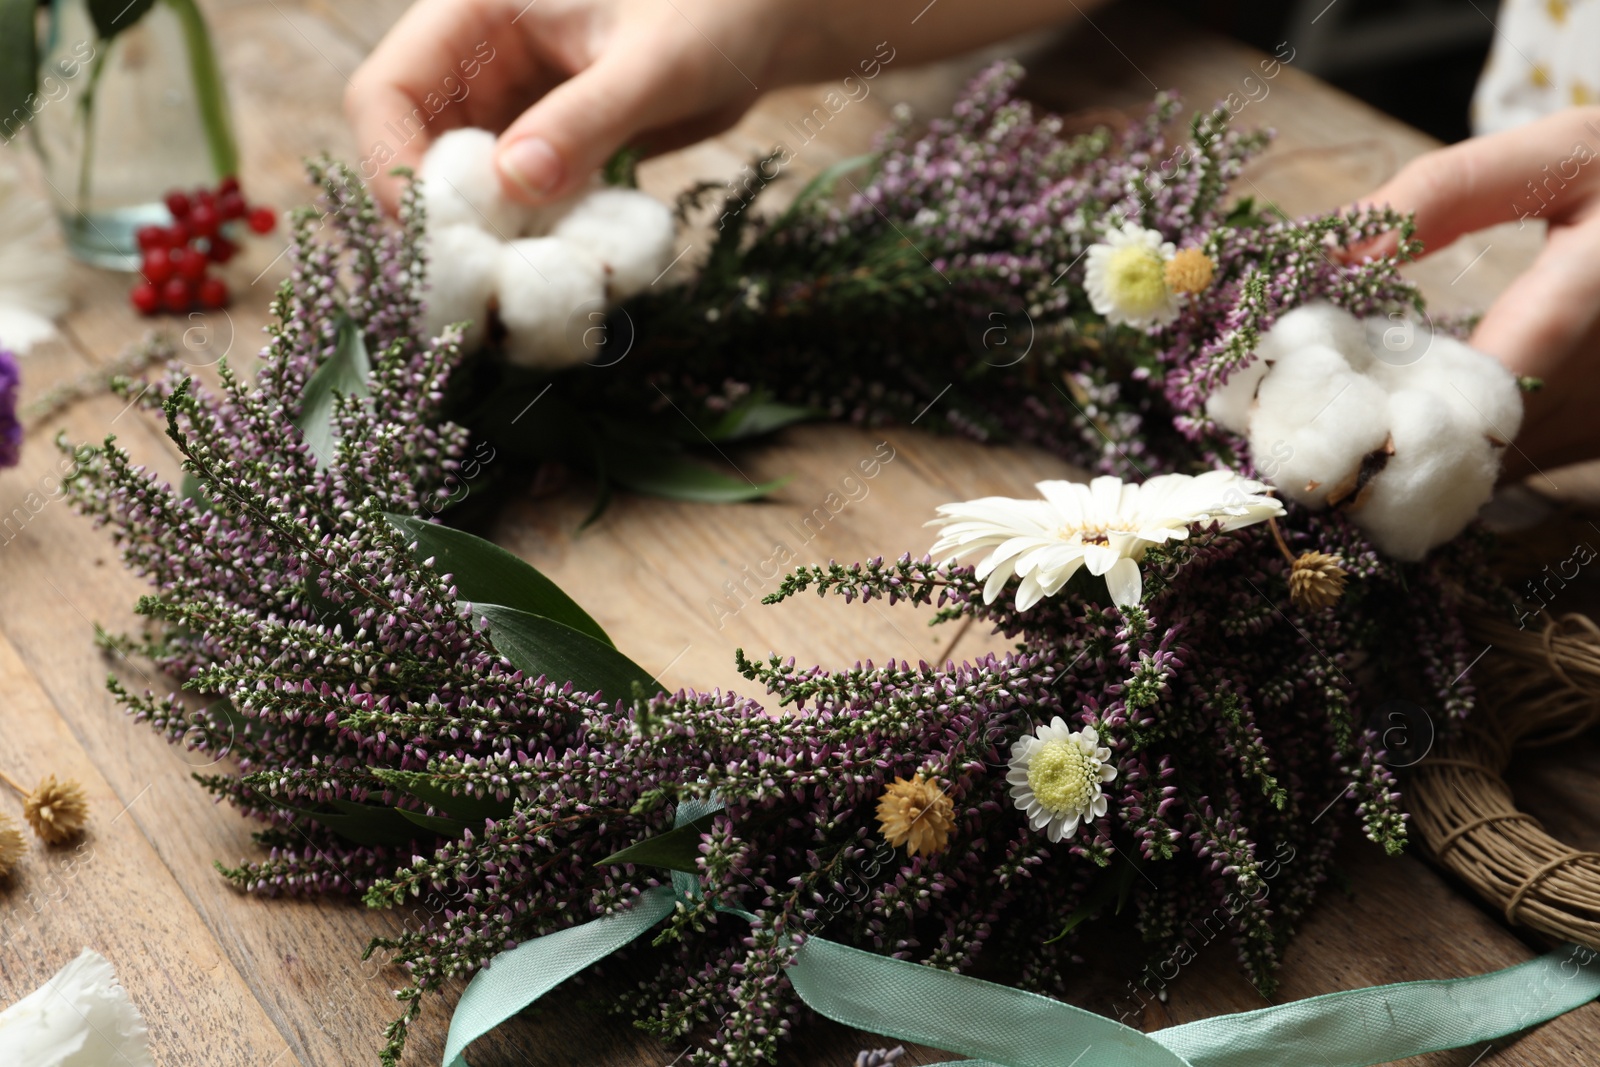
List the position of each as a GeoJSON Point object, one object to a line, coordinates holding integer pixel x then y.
{"type": "Point", "coordinates": [414, 712]}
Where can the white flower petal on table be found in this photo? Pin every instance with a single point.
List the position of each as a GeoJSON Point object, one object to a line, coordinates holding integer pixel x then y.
{"type": "Point", "coordinates": [80, 1018]}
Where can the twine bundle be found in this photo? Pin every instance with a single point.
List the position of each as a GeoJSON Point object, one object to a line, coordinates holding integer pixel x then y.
{"type": "Point", "coordinates": [1537, 689]}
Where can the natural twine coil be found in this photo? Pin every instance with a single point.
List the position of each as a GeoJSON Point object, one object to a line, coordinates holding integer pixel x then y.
{"type": "Point", "coordinates": [1538, 688]}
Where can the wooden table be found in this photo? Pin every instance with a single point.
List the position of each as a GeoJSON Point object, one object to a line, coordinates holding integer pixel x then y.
{"type": "Point", "coordinates": [232, 981]}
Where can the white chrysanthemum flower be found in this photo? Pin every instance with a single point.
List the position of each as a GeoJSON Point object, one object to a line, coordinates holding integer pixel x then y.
{"type": "Point", "coordinates": [1055, 776]}
{"type": "Point", "coordinates": [1107, 526]}
{"type": "Point", "coordinates": [1125, 277]}
{"type": "Point", "coordinates": [80, 1018]}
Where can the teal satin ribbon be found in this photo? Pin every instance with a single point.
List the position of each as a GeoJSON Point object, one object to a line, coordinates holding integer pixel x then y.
{"type": "Point", "coordinates": [998, 1026]}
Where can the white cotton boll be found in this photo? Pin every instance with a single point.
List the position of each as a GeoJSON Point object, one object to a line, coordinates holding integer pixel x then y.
{"type": "Point", "coordinates": [1230, 403]}
{"type": "Point", "coordinates": [1317, 324]}
{"type": "Point", "coordinates": [463, 273]}
{"type": "Point", "coordinates": [1477, 387]}
{"type": "Point", "coordinates": [628, 231]}
{"type": "Point", "coordinates": [460, 185]}
{"type": "Point", "coordinates": [80, 1018]}
{"type": "Point", "coordinates": [1317, 419]}
{"type": "Point", "coordinates": [542, 283]}
{"type": "Point", "coordinates": [1442, 472]}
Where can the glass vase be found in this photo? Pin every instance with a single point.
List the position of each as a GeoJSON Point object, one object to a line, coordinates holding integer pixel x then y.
{"type": "Point", "coordinates": [125, 120]}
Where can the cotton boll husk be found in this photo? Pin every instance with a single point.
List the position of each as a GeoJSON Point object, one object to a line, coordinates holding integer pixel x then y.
{"type": "Point", "coordinates": [1442, 472]}
{"type": "Point", "coordinates": [1313, 325]}
{"type": "Point", "coordinates": [1329, 417]}
{"type": "Point", "coordinates": [541, 282]}
{"type": "Point", "coordinates": [81, 1018]}
{"type": "Point", "coordinates": [463, 273]}
{"type": "Point", "coordinates": [461, 186]}
{"type": "Point", "coordinates": [1230, 403]}
{"type": "Point", "coordinates": [628, 231]}
{"type": "Point", "coordinates": [1478, 389]}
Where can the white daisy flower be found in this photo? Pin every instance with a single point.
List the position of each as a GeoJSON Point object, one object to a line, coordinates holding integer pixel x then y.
{"type": "Point", "coordinates": [1125, 277]}
{"type": "Point", "coordinates": [1056, 773]}
{"type": "Point", "coordinates": [1107, 526]}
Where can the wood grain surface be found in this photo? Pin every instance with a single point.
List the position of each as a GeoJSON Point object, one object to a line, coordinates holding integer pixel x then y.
{"type": "Point", "coordinates": [234, 981]}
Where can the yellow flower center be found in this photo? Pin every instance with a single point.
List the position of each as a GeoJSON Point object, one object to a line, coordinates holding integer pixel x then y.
{"type": "Point", "coordinates": [1136, 279]}
{"type": "Point", "coordinates": [1062, 777]}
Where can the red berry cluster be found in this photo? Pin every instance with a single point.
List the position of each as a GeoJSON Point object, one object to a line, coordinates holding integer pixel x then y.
{"type": "Point", "coordinates": [177, 258]}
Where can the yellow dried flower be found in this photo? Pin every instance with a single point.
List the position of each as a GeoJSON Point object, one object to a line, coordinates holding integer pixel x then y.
{"type": "Point", "coordinates": [1316, 580]}
{"type": "Point", "coordinates": [56, 810]}
{"type": "Point", "coordinates": [1189, 271]}
{"type": "Point", "coordinates": [12, 846]}
{"type": "Point", "coordinates": [917, 813]}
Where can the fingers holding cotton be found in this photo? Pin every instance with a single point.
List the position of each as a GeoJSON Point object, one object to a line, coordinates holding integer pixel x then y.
{"type": "Point", "coordinates": [460, 185]}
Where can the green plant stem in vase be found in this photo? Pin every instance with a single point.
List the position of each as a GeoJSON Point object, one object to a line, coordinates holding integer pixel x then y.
{"type": "Point", "coordinates": [129, 105]}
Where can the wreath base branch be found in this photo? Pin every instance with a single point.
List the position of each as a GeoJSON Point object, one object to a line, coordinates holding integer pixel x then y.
{"type": "Point", "coordinates": [1540, 689]}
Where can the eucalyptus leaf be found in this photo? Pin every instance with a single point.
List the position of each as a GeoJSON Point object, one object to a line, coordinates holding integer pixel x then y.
{"type": "Point", "coordinates": [486, 572]}
{"type": "Point", "coordinates": [438, 824]}
{"type": "Point", "coordinates": [755, 418]}
{"type": "Point", "coordinates": [345, 373]}
{"type": "Point", "coordinates": [676, 849]}
{"type": "Point", "coordinates": [362, 824]}
{"type": "Point", "coordinates": [468, 809]}
{"type": "Point", "coordinates": [111, 17]}
{"type": "Point", "coordinates": [675, 477]}
{"type": "Point", "coordinates": [536, 645]}
{"type": "Point", "coordinates": [19, 65]}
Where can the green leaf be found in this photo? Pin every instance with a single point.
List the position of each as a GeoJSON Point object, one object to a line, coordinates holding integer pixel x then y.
{"type": "Point", "coordinates": [434, 823]}
{"type": "Point", "coordinates": [756, 417]}
{"type": "Point", "coordinates": [111, 17]}
{"type": "Point", "coordinates": [486, 572]}
{"type": "Point", "coordinates": [823, 184]}
{"type": "Point", "coordinates": [672, 476]}
{"type": "Point", "coordinates": [622, 169]}
{"type": "Point", "coordinates": [19, 64]}
{"type": "Point", "coordinates": [676, 850]}
{"type": "Point", "coordinates": [468, 809]}
{"type": "Point", "coordinates": [361, 824]}
{"type": "Point", "coordinates": [345, 374]}
{"type": "Point", "coordinates": [536, 645]}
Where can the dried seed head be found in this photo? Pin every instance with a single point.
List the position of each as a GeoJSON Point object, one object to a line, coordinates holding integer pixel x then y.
{"type": "Point", "coordinates": [12, 846]}
{"type": "Point", "coordinates": [1316, 580]}
{"type": "Point", "coordinates": [917, 813]}
{"type": "Point", "coordinates": [56, 810]}
{"type": "Point", "coordinates": [1189, 271]}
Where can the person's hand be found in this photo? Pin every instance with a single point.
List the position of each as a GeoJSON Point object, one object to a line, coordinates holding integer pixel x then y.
{"type": "Point", "coordinates": [1547, 323]}
{"type": "Point", "coordinates": [571, 81]}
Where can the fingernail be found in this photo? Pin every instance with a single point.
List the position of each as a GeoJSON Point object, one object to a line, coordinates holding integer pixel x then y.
{"type": "Point", "coordinates": [532, 165]}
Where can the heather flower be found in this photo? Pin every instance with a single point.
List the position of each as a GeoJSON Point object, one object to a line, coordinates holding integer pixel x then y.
{"type": "Point", "coordinates": [12, 845]}
{"type": "Point", "coordinates": [1056, 777]}
{"type": "Point", "coordinates": [916, 813]}
{"type": "Point", "coordinates": [10, 425]}
{"type": "Point", "coordinates": [1106, 526]}
{"type": "Point", "coordinates": [1125, 277]}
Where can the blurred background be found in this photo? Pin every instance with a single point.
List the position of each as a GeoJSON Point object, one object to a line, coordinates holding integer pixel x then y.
{"type": "Point", "coordinates": [1415, 59]}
